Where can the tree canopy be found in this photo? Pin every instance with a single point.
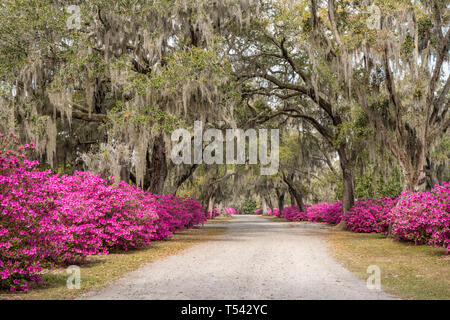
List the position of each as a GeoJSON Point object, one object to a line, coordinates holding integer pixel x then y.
{"type": "Point", "coordinates": [359, 90]}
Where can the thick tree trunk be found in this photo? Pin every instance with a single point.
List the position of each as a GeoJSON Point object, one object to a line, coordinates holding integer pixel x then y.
{"type": "Point", "coordinates": [264, 206]}
{"type": "Point", "coordinates": [432, 172]}
{"type": "Point", "coordinates": [348, 195]}
{"type": "Point", "coordinates": [348, 181]}
{"type": "Point", "coordinates": [413, 173]}
{"type": "Point", "coordinates": [280, 197]}
{"type": "Point", "coordinates": [205, 207]}
{"type": "Point", "coordinates": [158, 166]}
{"type": "Point", "coordinates": [269, 202]}
{"type": "Point", "coordinates": [211, 206]}
{"type": "Point", "coordinates": [125, 173]}
{"type": "Point", "coordinates": [299, 200]}
{"type": "Point", "coordinates": [411, 155]}
{"type": "Point", "coordinates": [295, 194]}
{"type": "Point", "coordinates": [292, 198]}
{"type": "Point", "coordinates": [186, 175]}
{"type": "Point", "coordinates": [296, 199]}
{"type": "Point", "coordinates": [348, 192]}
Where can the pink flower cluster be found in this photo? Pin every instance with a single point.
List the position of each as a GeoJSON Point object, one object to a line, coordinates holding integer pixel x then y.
{"type": "Point", "coordinates": [230, 211]}
{"type": "Point", "coordinates": [51, 220]}
{"type": "Point", "coordinates": [257, 212]}
{"type": "Point", "coordinates": [213, 213]}
{"type": "Point", "coordinates": [293, 214]}
{"type": "Point", "coordinates": [273, 212]}
{"type": "Point", "coordinates": [423, 217]}
{"type": "Point", "coordinates": [371, 215]}
{"type": "Point", "coordinates": [325, 212]}
{"type": "Point", "coordinates": [321, 212]}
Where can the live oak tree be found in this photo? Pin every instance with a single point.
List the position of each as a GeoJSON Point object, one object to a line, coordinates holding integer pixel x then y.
{"type": "Point", "coordinates": [276, 60]}
{"type": "Point", "coordinates": [325, 62]}
{"type": "Point", "coordinates": [400, 79]}
{"type": "Point", "coordinates": [390, 62]}
{"type": "Point", "coordinates": [108, 91]}
{"type": "Point", "coordinates": [304, 157]}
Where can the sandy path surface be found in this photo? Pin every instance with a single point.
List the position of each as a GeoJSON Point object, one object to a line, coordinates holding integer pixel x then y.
{"type": "Point", "coordinates": [254, 259]}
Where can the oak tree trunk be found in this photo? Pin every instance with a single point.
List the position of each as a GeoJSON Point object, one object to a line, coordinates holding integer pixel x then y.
{"type": "Point", "coordinates": [264, 206]}
{"type": "Point", "coordinates": [348, 181]}
{"type": "Point", "coordinates": [348, 195]}
{"type": "Point", "coordinates": [158, 166]}
{"type": "Point", "coordinates": [280, 202]}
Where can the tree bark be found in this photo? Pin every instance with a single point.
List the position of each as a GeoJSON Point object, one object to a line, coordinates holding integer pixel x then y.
{"type": "Point", "coordinates": [295, 194]}
{"type": "Point", "coordinates": [186, 175]}
{"type": "Point", "coordinates": [292, 198]}
{"type": "Point", "coordinates": [280, 196]}
{"type": "Point", "coordinates": [412, 165]}
{"type": "Point", "coordinates": [125, 173]}
{"type": "Point", "coordinates": [158, 166]}
{"type": "Point", "coordinates": [264, 206]}
{"type": "Point", "coordinates": [211, 203]}
{"type": "Point", "coordinates": [348, 196]}
{"type": "Point", "coordinates": [348, 180]}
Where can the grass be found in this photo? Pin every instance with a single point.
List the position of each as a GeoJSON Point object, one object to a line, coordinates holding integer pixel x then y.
{"type": "Point", "coordinates": [407, 271]}
{"type": "Point", "coordinates": [98, 271]}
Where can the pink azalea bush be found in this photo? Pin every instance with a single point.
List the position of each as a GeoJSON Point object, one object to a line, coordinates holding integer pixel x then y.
{"type": "Point", "coordinates": [371, 215]}
{"type": "Point", "coordinates": [273, 212]}
{"type": "Point", "coordinates": [51, 220]}
{"type": "Point", "coordinates": [293, 214]}
{"type": "Point", "coordinates": [423, 217]}
{"type": "Point", "coordinates": [213, 213]}
{"type": "Point", "coordinates": [230, 211]}
{"type": "Point", "coordinates": [325, 212]}
{"type": "Point", "coordinates": [257, 212]}
{"type": "Point", "coordinates": [321, 212]}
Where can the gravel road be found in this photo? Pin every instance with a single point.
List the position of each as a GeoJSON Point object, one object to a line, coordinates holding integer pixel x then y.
{"type": "Point", "coordinates": [254, 259]}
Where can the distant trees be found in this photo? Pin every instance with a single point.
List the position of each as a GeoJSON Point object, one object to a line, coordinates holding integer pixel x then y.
{"type": "Point", "coordinates": [361, 79]}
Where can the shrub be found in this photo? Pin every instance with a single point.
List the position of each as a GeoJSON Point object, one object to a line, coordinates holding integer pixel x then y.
{"type": "Point", "coordinates": [213, 213]}
{"type": "Point", "coordinates": [292, 214]}
{"type": "Point", "coordinates": [423, 217]}
{"type": "Point", "coordinates": [230, 211]}
{"type": "Point", "coordinates": [325, 212]}
{"type": "Point", "coordinates": [370, 216]}
{"type": "Point", "coordinates": [249, 206]}
{"type": "Point", "coordinates": [51, 220]}
{"type": "Point", "coordinates": [274, 212]}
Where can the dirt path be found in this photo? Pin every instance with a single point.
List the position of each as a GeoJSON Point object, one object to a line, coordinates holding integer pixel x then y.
{"type": "Point", "coordinates": [255, 259]}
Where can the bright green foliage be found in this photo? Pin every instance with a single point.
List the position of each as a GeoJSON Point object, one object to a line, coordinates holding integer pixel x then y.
{"type": "Point", "coordinates": [249, 206]}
